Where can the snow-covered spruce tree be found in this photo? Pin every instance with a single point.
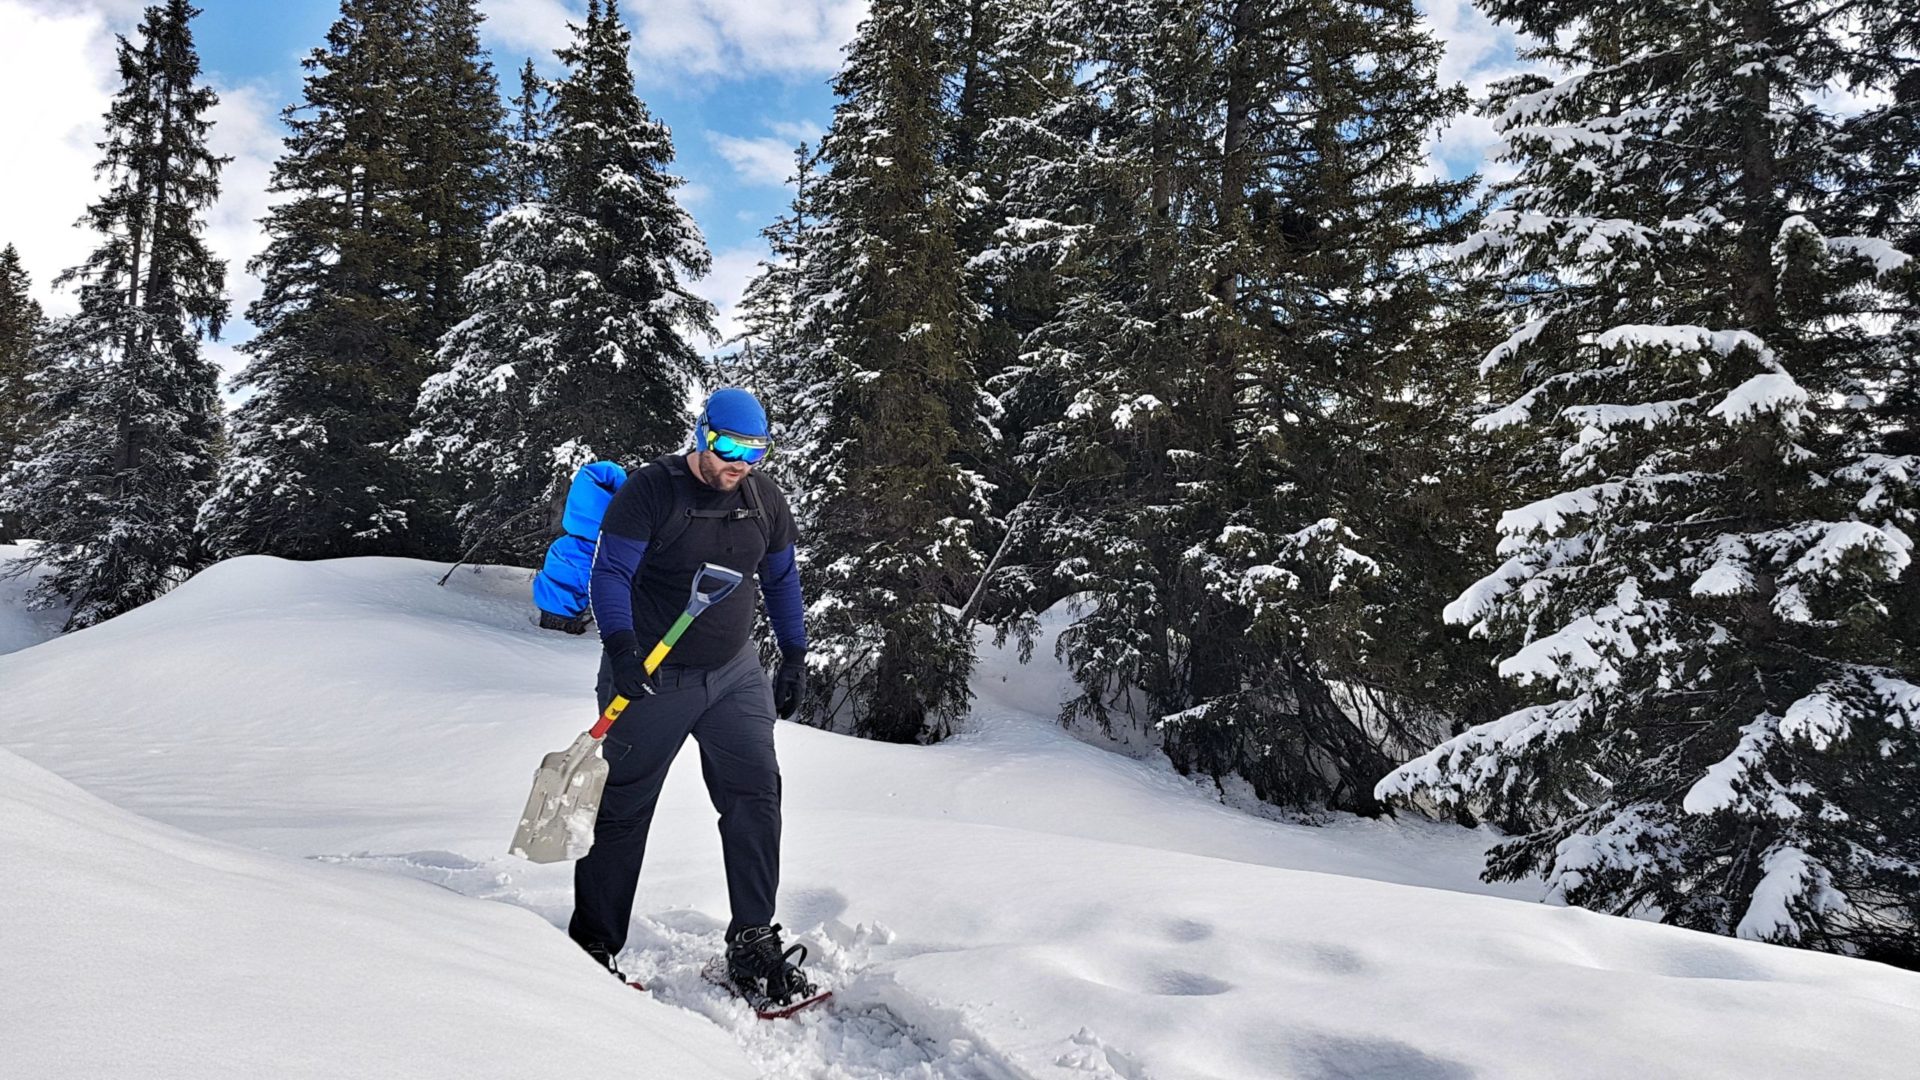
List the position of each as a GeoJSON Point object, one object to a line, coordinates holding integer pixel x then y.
{"type": "Point", "coordinates": [1344, 514]}
{"type": "Point", "coordinates": [126, 409]}
{"type": "Point", "coordinates": [1240, 409]}
{"type": "Point", "coordinates": [1014, 74]}
{"type": "Point", "coordinates": [21, 321]}
{"type": "Point", "coordinates": [887, 509]}
{"type": "Point", "coordinates": [526, 181]}
{"type": "Point", "coordinates": [1713, 610]}
{"type": "Point", "coordinates": [383, 192]}
{"type": "Point", "coordinates": [577, 348]}
{"type": "Point", "coordinates": [461, 153]}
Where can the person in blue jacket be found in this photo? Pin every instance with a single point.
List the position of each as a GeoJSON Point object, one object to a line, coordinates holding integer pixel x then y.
{"type": "Point", "coordinates": [670, 517]}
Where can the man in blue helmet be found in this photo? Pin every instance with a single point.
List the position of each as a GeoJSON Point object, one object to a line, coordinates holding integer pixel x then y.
{"type": "Point", "coordinates": [671, 517]}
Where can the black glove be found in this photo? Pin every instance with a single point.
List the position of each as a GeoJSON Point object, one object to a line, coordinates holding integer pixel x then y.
{"type": "Point", "coordinates": [790, 683]}
{"type": "Point", "coordinates": [630, 678]}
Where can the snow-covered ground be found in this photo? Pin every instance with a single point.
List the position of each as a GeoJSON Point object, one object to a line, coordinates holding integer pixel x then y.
{"type": "Point", "coordinates": [1012, 904]}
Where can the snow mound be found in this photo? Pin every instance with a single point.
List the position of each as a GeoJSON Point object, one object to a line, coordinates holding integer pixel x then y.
{"type": "Point", "coordinates": [134, 949]}
{"type": "Point", "coordinates": [1012, 903]}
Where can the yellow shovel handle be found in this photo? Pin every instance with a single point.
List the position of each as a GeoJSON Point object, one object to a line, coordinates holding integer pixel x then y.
{"type": "Point", "coordinates": [619, 704]}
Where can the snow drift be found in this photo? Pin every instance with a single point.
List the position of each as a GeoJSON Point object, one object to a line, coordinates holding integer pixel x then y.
{"type": "Point", "coordinates": [134, 949]}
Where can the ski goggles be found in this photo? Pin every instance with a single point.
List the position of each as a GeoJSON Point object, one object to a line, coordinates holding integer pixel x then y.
{"type": "Point", "coordinates": [751, 449]}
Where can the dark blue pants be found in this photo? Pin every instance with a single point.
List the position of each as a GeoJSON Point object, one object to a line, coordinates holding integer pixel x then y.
{"type": "Point", "coordinates": [729, 711]}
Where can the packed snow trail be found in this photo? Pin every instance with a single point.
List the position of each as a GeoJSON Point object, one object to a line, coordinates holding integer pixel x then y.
{"type": "Point", "coordinates": [1050, 910]}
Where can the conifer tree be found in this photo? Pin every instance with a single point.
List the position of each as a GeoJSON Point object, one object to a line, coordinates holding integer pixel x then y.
{"type": "Point", "coordinates": [387, 177]}
{"type": "Point", "coordinates": [774, 340]}
{"type": "Point", "coordinates": [578, 345]}
{"type": "Point", "coordinates": [1015, 84]}
{"type": "Point", "coordinates": [887, 501]}
{"type": "Point", "coordinates": [1236, 411]}
{"type": "Point", "coordinates": [462, 153]}
{"type": "Point", "coordinates": [21, 321]}
{"type": "Point", "coordinates": [126, 408]}
{"type": "Point", "coordinates": [526, 181]}
{"type": "Point", "coordinates": [1711, 607]}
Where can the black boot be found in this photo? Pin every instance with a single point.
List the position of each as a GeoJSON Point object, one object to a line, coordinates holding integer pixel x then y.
{"type": "Point", "coordinates": [605, 956]}
{"type": "Point", "coordinates": [758, 965]}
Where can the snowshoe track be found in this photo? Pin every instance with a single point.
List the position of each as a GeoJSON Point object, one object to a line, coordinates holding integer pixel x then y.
{"type": "Point", "coordinates": [852, 1037]}
{"type": "Point", "coordinates": [855, 1036]}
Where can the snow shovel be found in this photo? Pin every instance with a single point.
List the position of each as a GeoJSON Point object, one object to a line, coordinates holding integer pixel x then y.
{"type": "Point", "coordinates": [558, 821]}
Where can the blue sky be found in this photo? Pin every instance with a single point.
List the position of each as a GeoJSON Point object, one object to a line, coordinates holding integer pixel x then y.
{"type": "Point", "coordinates": [738, 81]}
{"type": "Point", "coordinates": [261, 42]}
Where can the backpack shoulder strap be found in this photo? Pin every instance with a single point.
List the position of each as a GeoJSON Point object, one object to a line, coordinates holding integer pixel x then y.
{"type": "Point", "coordinates": [675, 521]}
{"type": "Point", "coordinates": [756, 507]}
{"type": "Point", "coordinates": [681, 514]}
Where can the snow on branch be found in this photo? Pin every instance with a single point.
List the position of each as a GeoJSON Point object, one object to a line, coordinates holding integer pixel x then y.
{"type": "Point", "coordinates": [1478, 756]}
{"type": "Point", "coordinates": [1901, 698]}
{"type": "Point", "coordinates": [1480, 596]}
{"type": "Point", "coordinates": [1819, 720]}
{"type": "Point", "coordinates": [1511, 347]}
{"type": "Point", "coordinates": [1730, 575]}
{"type": "Point", "coordinates": [1549, 515]}
{"type": "Point", "coordinates": [1837, 538]}
{"type": "Point", "coordinates": [1721, 788]}
{"type": "Point", "coordinates": [1795, 883]}
{"type": "Point", "coordinates": [1878, 472]}
{"type": "Point", "coordinates": [1767, 392]}
{"type": "Point", "coordinates": [1525, 107]}
{"type": "Point", "coordinates": [1634, 838]}
{"type": "Point", "coordinates": [1884, 256]}
{"type": "Point", "coordinates": [1682, 339]}
{"type": "Point", "coordinates": [1648, 415]}
{"type": "Point", "coordinates": [1587, 646]}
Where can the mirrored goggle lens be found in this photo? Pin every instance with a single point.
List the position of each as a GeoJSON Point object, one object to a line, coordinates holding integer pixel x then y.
{"type": "Point", "coordinates": [732, 447]}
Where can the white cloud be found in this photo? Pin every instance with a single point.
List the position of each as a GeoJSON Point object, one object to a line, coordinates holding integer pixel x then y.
{"type": "Point", "coordinates": [121, 13]}
{"type": "Point", "coordinates": [767, 159]}
{"type": "Point", "coordinates": [1476, 45]}
{"type": "Point", "coordinates": [246, 128]}
{"type": "Point", "coordinates": [1478, 53]}
{"type": "Point", "coordinates": [789, 36]}
{"type": "Point", "coordinates": [227, 355]}
{"type": "Point", "coordinates": [535, 26]}
{"type": "Point", "coordinates": [63, 65]}
{"type": "Point", "coordinates": [732, 270]}
{"type": "Point", "coordinates": [734, 37]}
{"type": "Point", "coordinates": [61, 58]}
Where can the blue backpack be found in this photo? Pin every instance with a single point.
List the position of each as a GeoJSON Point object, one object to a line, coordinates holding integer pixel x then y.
{"type": "Point", "coordinates": [560, 588]}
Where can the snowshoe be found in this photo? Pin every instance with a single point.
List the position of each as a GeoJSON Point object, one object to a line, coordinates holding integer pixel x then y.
{"type": "Point", "coordinates": [768, 978]}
